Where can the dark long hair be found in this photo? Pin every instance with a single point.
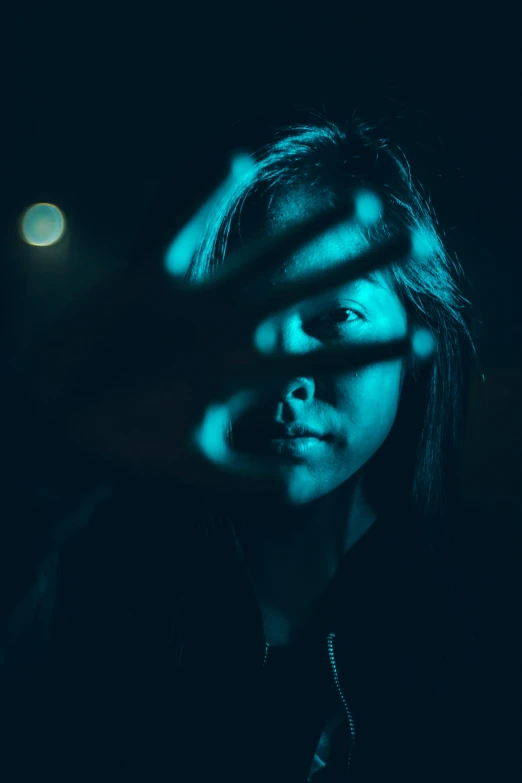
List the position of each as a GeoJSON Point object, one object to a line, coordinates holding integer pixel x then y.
{"type": "Point", "coordinates": [341, 157]}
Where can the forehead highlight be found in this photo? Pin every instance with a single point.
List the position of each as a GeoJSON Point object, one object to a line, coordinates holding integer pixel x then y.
{"type": "Point", "coordinates": [338, 245]}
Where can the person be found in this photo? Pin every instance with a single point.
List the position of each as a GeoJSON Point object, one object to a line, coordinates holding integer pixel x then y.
{"type": "Point", "coordinates": [263, 589]}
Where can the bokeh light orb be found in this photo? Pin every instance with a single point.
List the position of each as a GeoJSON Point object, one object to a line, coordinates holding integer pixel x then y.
{"type": "Point", "coordinates": [42, 224]}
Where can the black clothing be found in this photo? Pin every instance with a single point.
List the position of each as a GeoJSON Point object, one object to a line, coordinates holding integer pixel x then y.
{"type": "Point", "coordinates": [140, 653]}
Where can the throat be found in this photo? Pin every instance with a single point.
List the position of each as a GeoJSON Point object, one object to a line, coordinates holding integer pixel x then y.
{"type": "Point", "coordinates": [282, 629]}
{"type": "Point", "coordinates": [290, 599]}
{"type": "Point", "coordinates": [292, 566]}
{"type": "Point", "coordinates": [278, 632]}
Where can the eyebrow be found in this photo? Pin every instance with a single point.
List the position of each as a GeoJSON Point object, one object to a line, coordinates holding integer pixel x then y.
{"type": "Point", "coordinates": [369, 277]}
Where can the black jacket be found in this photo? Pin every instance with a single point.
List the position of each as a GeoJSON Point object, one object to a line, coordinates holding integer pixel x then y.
{"type": "Point", "coordinates": [137, 651]}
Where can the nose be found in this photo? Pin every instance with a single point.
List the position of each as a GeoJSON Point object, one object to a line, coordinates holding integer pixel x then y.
{"type": "Point", "coordinates": [291, 338]}
{"type": "Point", "coordinates": [297, 388]}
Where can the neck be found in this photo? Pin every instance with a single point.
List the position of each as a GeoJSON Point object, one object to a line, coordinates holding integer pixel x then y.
{"type": "Point", "coordinates": [293, 553]}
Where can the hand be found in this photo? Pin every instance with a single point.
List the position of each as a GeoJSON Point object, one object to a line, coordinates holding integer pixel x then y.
{"type": "Point", "coordinates": [148, 371]}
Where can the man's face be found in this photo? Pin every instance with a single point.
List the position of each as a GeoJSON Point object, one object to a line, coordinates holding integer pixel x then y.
{"type": "Point", "coordinates": [354, 410]}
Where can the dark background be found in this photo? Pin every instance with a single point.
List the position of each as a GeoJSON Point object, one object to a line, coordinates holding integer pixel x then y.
{"type": "Point", "coordinates": [99, 104]}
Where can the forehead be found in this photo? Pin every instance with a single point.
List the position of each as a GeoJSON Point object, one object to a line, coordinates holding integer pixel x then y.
{"type": "Point", "coordinates": [334, 247]}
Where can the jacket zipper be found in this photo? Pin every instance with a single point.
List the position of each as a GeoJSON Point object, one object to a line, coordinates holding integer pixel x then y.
{"type": "Point", "coordinates": [331, 656]}
{"type": "Point", "coordinates": [349, 715]}
{"type": "Point", "coordinates": [266, 653]}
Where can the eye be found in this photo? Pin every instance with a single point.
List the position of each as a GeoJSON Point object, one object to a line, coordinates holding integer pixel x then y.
{"type": "Point", "coordinates": [339, 315]}
{"type": "Point", "coordinates": [336, 319]}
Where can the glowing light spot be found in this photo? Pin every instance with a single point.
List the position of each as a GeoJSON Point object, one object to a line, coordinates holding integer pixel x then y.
{"type": "Point", "coordinates": [210, 436]}
{"type": "Point", "coordinates": [423, 343]}
{"type": "Point", "coordinates": [184, 245]}
{"type": "Point", "coordinates": [265, 337]}
{"type": "Point", "coordinates": [42, 225]}
{"type": "Point", "coordinates": [242, 166]}
{"type": "Point", "coordinates": [367, 207]}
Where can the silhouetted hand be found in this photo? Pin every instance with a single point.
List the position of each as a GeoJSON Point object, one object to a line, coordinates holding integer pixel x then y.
{"type": "Point", "coordinates": [147, 371]}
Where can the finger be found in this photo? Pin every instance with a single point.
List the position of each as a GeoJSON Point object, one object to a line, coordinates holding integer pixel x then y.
{"type": "Point", "coordinates": [214, 463]}
{"type": "Point", "coordinates": [266, 253]}
{"type": "Point", "coordinates": [180, 199]}
{"type": "Point", "coordinates": [240, 273]}
{"type": "Point", "coordinates": [217, 463]}
{"type": "Point", "coordinates": [258, 305]}
{"type": "Point", "coordinates": [333, 359]}
{"type": "Point", "coordinates": [181, 250]}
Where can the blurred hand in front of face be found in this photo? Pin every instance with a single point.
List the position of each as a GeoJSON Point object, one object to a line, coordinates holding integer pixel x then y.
{"type": "Point", "coordinates": [353, 411]}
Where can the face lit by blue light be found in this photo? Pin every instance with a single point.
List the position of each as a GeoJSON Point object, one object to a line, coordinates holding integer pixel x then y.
{"type": "Point", "coordinates": [355, 409]}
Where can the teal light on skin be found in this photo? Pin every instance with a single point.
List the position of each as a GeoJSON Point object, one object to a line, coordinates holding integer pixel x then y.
{"type": "Point", "coordinates": [368, 208]}
{"type": "Point", "coordinates": [337, 245]}
{"type": "Point", "coordinates": [182, 248]}
{"type": "Point", "coordinates": [209, 436]}
{"type": "Point", "coordinates": [423, 343]}
{"type": "Point", "coordinates": [294, 542]}
{"type": "Point", "coordinates": [265, 337]}
{"type": "Point", "coordinates": [180, 252]}
{"type": "Point", "coordinates": [357, 407]}
{"type": "Point", "coordinates": [360, 405]}
{"type": "Point", "coordinates": [242, 165]}
{"type": "Point", "coordinates": [42, 225]}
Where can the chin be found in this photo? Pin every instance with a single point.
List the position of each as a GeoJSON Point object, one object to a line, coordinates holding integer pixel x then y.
{"type": "Point", "coordinates": [300, 490]}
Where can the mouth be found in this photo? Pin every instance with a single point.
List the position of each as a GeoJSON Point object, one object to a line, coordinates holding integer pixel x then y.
{"type": "Point", "coordinates": [296, 437]}
{"type": "Point", "coordinates": [293, 431]}
{"type": "Point", "coordinates": [293, 440]}
{"type": "Point", "coordinates": [297, 445]}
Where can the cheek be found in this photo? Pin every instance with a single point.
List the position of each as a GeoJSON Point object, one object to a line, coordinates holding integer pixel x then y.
{"type": "Point", "coordinates": [367, 400]}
